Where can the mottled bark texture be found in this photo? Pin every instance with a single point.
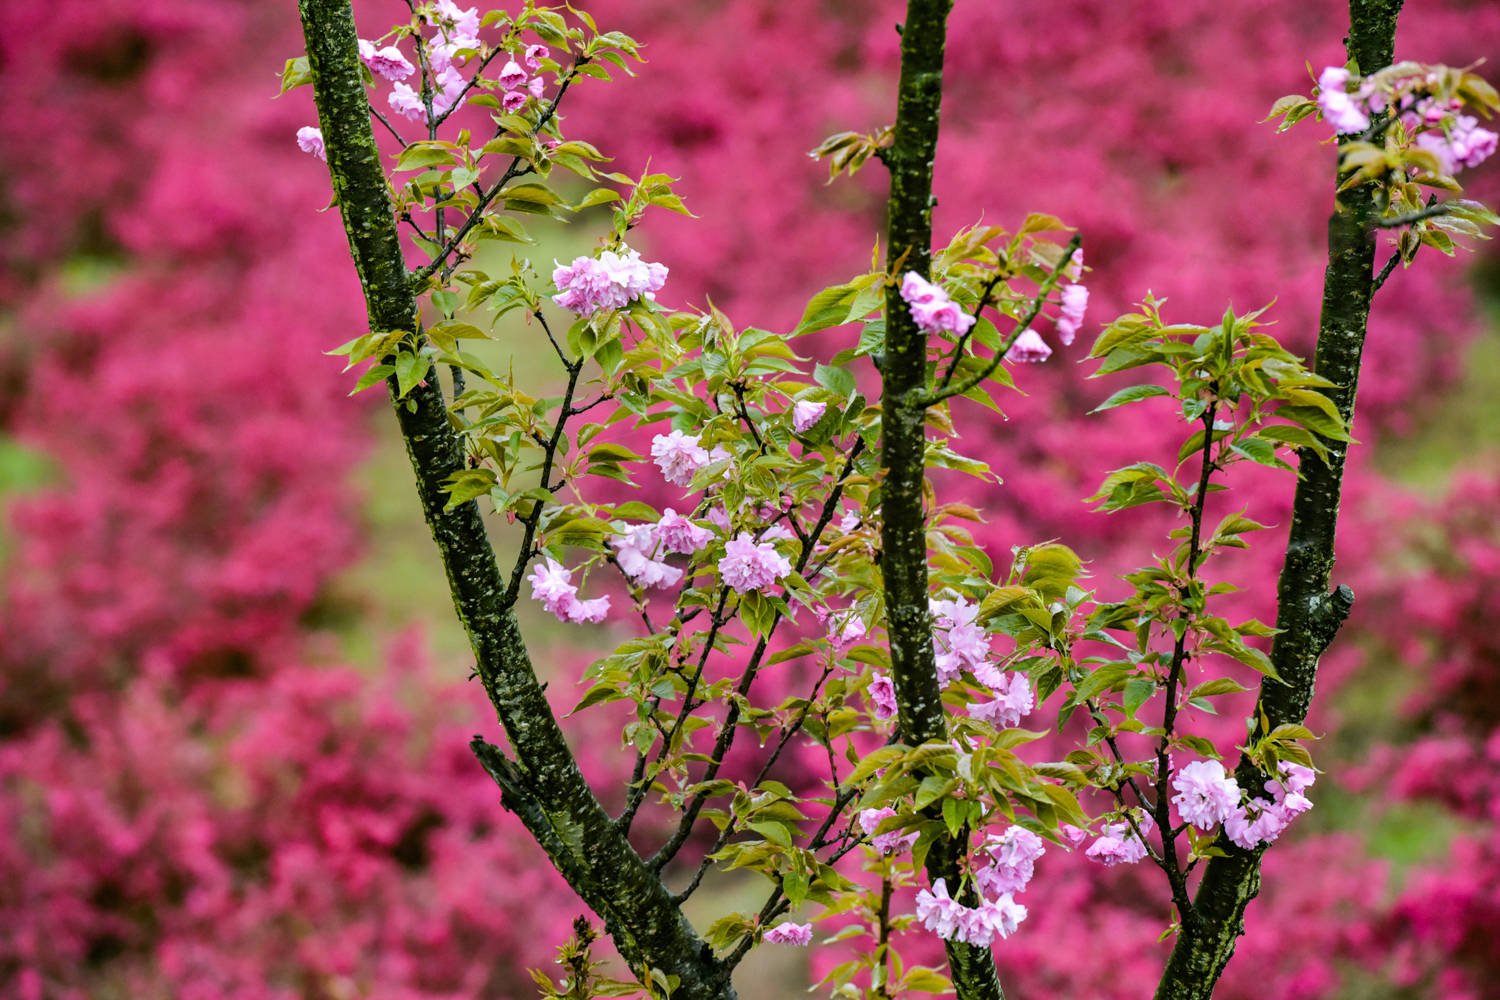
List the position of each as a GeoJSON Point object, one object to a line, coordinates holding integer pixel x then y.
{"type": "Point", "coordinates": [542, 785]}
{"type": "Point", "coordinates": [1308, 613]}
{"type": "Point", "coordinates": [904, 525]}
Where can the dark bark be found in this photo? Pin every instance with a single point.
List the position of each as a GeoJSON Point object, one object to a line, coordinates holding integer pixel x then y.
{"type": "Point", "coordinates": [903, 417]}
{"type": "Point", "coordinates": [543, 784]}
{"type": "Point", "coordinates": [1308, 613]}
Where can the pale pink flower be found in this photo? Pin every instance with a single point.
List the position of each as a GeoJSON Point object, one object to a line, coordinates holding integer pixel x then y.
{"type": "Point", "coordinates": [979, 926]}
{"type": "Point", "coordinates": [1029, 346]}
{"type": "Point", "coordinates": [536, 86]}
{"type": "Point", "coordinates": [387, 62]}
{"type": "Point", "coordinates": [1464, 145]}
{"type": "Point", "coordinates": [534, 56]}
{"type": "Point", "coordinates": [407, 102]}
{"type": "Point", "coordinates": [1206, 796]}
{"type": "Point", "coordinates": [882, 695]}
{"type": "Point", "coordinates": [511, 75]}
{"type": "Point", "coordinates": [678, 534]}
{"type": "Point", "coordinates": [849, 521]}
{"type": "Point", "coordinates": [937, 912]}
{"type": "Point", "coordinates": [805, 414]}
{"type": "Point", "coordinates": [1118, 844]}
{"type": "Point", "coordinates": [717, 516]}
{"type": "Point", "coordinates": [512, 101]}
{"type": "Point", "coordinates": [1013, 856]}
{"type": "Point", "coordinates": [748, 565]}
{"type": "Point", "coordinates": [310, 140]}
{"type": "Point", "coordinates": [1073, 836]}
{"type": "Point", "coordinates": [931, 307]}
{"type": "Point", "coordinates": [1339, 107]}
{"type": "Point", "coordinates": [678, 456]}
{"type": "Point", "coordinates": [1075, 301]}
{"type": "Point", "coordinates": [789, 933]}
{"type": "Point", "coordinates": [636, 549]}
{"type": "Point", "coordinates": [589, 285]}
{"type": "Point", "coordinates": [843, 627]}
{"type": "Point", "coordinates": [889, 842]}
{"type": "Point", "coordinates": [551, 584]}
{"type": "Point", "coordinates": [458, 21]}
{"type": "Point", "coordinates": [1013, 701]}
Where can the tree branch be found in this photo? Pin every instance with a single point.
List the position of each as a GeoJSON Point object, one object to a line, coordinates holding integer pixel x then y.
{"type": "Point", "coordinates": [903, 565]}
{"type": "Point", "coordinates": [1307, 614]}
{"type": "Point", "coordinates": [544, 782]}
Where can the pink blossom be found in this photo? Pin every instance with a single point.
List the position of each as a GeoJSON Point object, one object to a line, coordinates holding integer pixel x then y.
{"type": "Point", "coordinates": [717, 516]}
{"type": "Point", "coordinates": [511, 75]}
{"type": "Point", "coordinates": [882, 694]}
{"type": "Point", "coordinates": [1464, 145]}
{"type": "Point", "coordinates": [789, 933]}
{"type": "Point", "coordinates": [536, 86]}
{"type": "Point", "coordinates": [387, 62]}
{"type": "Point", "coordinates": [1118, 844]}
{"type": "Point", "coordinates": [1029, 346]}
{"type": "Point", "coordinates": [1075, 301]}
{"type": "Point", "coordinates": [931, 307]}
{"type": "Point", "coordinates": [951, 920]}
{"type": "Point", "coordinates": [957, 642]}
{"type": "Point", "coordinates": [636, 549]}
{"type": "Point", "coordinates": [890, 842]}
{"type": "Point", "coordinates": [449, 85]}
{"type": "Point", "coordinates": [678, 534]}
{"type": "Point", "coordinates": [589, 285]}
{"type": "Point", "coordinates": [748, 565]}
{"type": "Point", "coordinates": [534, 56]}
{"type": "Point", "coordinates": [937, 912]}
{"type": "Point", "coordinates": [1261, 821]}
{"type": "Point", "coordinates": [1206, 796]}
{"type": "Point", "coordinates": [1013, 701]}
{"type": "Point", "coordinates": [513, 101]}
{"type": "Point", "coordinates": [455, 21]}
{"type": "Point", "coordinates": [1337, 104]}
{"type": "Point", "coordinates": [1013, 855]}
{"type": "Point", "coordinates": [805, 414]}
{"type": "Point", "coordinates": [310, 140]}
{"type": "Point", "coordinates": [679, 457]}
{"type": "Point", "coordinates": [551, 584]}
{"type": "Point", "coordinates": [1074, 836]}
{"type": "Point", "coordinates": [992, 918]}
{"type": "Point", "coordinates": [843, 627]}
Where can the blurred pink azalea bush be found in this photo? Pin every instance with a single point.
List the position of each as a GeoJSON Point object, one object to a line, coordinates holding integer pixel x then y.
{"type": "Point", "coordinates": [197, 800]}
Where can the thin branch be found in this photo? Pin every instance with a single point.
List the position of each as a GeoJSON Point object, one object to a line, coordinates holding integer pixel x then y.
{"type": "Point", "coordinates": [389, 127]}
{"type": "Point", "coordinates": [1398, 221]}
{"type": "Point", "coordinates": [513, 171]}
{"type": "Point", "coordinates": [948, 392]}
{"type": "Point", "coordinates": [958, 349]}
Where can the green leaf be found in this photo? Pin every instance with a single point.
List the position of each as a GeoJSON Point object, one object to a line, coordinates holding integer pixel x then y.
{"type": "Point", "coordinates": [1138, 691]}
{"type": "Point", "coordinates": [839, 381]}
{"type": "Point", "coordinates": [828, 308]}
{"type": "Point", "coordinates": [1131, 395]}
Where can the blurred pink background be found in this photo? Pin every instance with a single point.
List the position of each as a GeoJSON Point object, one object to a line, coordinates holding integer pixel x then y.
{"type": "Point", "coordinates": [233, 717]}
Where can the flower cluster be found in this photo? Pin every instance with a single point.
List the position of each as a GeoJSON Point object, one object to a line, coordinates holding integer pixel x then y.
{"type": "Point", "coordinates": [931, 307]}
{"type": "Point", "coordinates": [551, 584]}
{"type": "Point", "coordinates": [977, 925]}
{"type": "Point", "coordinates": [789, 933]}
{"type": "Point", "coordinates": [882, 695]}
{"type": "Point", "coordinates": [1119, 843]}
{"type": "Point", "coordinates": [387, 62]}
{"type": "Point", "coordinates": [1455, 140]}
{"type": "Point", "coordinates": [612, 280]}
{"type": "Point", "coordinates": [958, 642]}
{"type": "Point", "coordinates": [1346, 112]}
{"type": "Point", "coordinates": [889, 842]}
{"type": "Point", "coordinates": [1075, 302]}
{"type": "Point", "coordinates": [679, 456]}
{"type": "Point", "coordinates": [1261, 820]}
{"type": "Point", "coordinates": [1206, 796]}
{"type": "Point", "coordinates": [749, 565]}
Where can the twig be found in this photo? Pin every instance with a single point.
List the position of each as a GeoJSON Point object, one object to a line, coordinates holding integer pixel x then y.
{"type": "Point", "coordinates": [948, 392]}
